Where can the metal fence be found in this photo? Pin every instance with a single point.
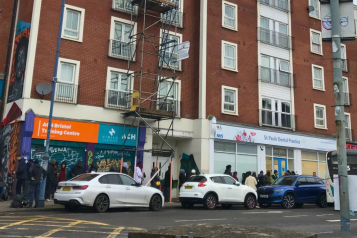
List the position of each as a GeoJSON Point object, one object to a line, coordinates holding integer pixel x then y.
{"type": "Point", "coordinates": [280, 4]}
{"type": "Point", "coordinates": [117, 99]}
{"type": "Point", "coordinates": [66, 92]}
{"type": "Point", "coordinates": [274, 76]}
{"type": "Point", "coordinates": [121, 50]}
{"type": "Point", "coordinates": [274, 38]}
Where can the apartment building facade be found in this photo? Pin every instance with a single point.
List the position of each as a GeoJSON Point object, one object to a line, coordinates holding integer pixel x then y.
{"type": "Point", "coordinates": [255, 93]}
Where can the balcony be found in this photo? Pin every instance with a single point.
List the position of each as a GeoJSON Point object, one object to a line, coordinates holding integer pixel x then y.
{"type": "Point", "coordinates": [173, 17]}
{"type": "Point", "coordinates": [277, 119]}
{"type": "Point", "coordinates": [66, 92]}
{"type": "Point", "coordinates": [169, 105]}
{"type": "Point", "coordinates": [345, 65]}
{"type": "Point", "coordinates": [124, 6]}
{"type": "Point", "coordinates": [347, 99]}
{"type": "Point", "coordinates": [274, 38]}
{"type": "Point", "coordinates": [348, 134]}
{"type": "Point", "coordinates": [279, 4]}
{"type": "Point", "coordinates": [115, 99]}
{"type": "Point", "coordinates": [121, 50]}
{"type": "Point", "coordinates": [274, 76]}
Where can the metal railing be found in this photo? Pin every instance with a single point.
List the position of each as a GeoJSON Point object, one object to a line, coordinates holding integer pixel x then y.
{"type": "Point", "coordinates": [173, 18]}
{"type": "Point", "coordinates": [279, 4]}
{"type": "Point", "coordinates": [345, 65]}
{"type": "Point", "coordinates": [124, 6]}
{"type": "Point", "coordinates": [277, 119]}
{"type": "Point", "coordinates": [274, 76]}
{"type": "Point", "coordinates": [347, 99]}
{"type": "Point", "coordinates": [348, 134]}
{"type": "Point", "coordinates": [66, 92]}
{"type": "Point", "coordinates": [117, 99]}
{"type": "Point", "coordinates": [121, 50]}
{"type": "Point", "coordinates": [274, 38]}
{"type": "Point", "coordinates": [169, 105]}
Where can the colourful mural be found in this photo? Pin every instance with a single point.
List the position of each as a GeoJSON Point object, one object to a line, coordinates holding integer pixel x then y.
{"type": "Point", "coordinates": [109, 160]}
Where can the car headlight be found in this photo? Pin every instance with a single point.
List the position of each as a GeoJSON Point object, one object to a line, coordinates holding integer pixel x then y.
{"type": "Point", "coordinates": [279, 190]}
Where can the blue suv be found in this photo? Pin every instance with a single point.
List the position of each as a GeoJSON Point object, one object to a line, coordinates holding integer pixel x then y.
{"type": "Point", "coordinates": [294, 191]}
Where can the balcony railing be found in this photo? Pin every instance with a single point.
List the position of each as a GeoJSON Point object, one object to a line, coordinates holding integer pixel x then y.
{"type": "Point", "coordinates": [277, 119]}
{"type": "Point", "coordinates": [173, 17]}
{"type": "Point", "coordinates": [349, 134]}
{"type": "Point", "coordinates": [347, 99]}
{"type": "Point", "coordinates": [124, 6]}
{"type": "Point", "coordinates": [117, 99]}
{"type": "Point", "coordinates": [345, 65]}
{"type": "Point", "coordinates": [169, 105]}
{"type": "Point", "coordinates": [274, 76]}
{"type": "Point", "coordinates": [279, 4]}
{"type": "Point", "coordinates": [121, 50]}
{"type": "Point", "coordinates": [274, 38]}
{"type": "Point", "coordinates": [66, 92]}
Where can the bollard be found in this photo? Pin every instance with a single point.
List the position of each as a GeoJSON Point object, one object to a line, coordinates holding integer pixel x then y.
{"type": "Point", "coordinates": [191, 235]}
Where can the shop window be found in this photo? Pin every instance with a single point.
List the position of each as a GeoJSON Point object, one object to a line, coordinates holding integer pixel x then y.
{"type": "Point", "coordinates": [224, 147]}
{"type": "Point", "coordinates": [268, 151]}
{"type": "Point", "coordinates": [247, 149]}
{"type": "Point", "coordinates": [322, 170]}
{"type": "Point", "coordinates": [309, 167]}
{"type": "Point", "coordinates": [269, 164]}
{"type": "Point", "coordinates": [313, 162]}
{"type": "Point", "coordinates": [290, 154]}
{"type": "Point", "coordinates": [221, 160]}
{"type": "Point", "coordinates": [291, 165]}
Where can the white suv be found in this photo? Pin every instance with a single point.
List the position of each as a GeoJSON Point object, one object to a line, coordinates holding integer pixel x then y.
{"type": "Point", "coordinates": [213, 189]}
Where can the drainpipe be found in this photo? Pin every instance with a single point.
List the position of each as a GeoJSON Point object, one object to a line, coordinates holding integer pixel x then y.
{"type": "Point", "coordinates": [203, 60]}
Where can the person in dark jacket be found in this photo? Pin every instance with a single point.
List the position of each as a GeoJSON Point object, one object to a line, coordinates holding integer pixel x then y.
{"type": "Point", "coordinates": [261, 179]}
{"type": "Point", "coordinates": [21, 174]}
{"type": "Point", "coordinates": [93, 167]}
{"type": "Point", "coordinates": [275, 176]}
{"type": "Point", "coordinates": [155, 182]}
{"type": "Point", "coordinates": [244, 176]}
{"type": "Point", "coordinates": [27, 182]}
{"type": "Point", "coordinates": [2, 188]}
{"type": "Point", "coordinates": [228, 170]}
{"type": "Point", "coordinates": [77, 170]}
{"type": "Point", "coordinates": [51, 180]}
{"type": "Point", "coordinates": [182, 178]}
{"type": "Point", "coordinates": [167, 184]}
{"type": "Point", "coordinates": [37, 174]}
{"type": "Point", "coordinates": [125, 168]}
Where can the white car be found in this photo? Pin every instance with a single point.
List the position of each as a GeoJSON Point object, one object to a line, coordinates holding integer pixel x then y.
{"type": "Point", "coordinates": [213, 189]}
{"type": "Point", "coordinates": [107, 190]}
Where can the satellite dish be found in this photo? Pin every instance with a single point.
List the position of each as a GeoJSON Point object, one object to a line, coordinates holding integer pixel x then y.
{"type": "Point", "coordinates": [44, 89]}
{"type": "Point", "coordinates": [310, 9]}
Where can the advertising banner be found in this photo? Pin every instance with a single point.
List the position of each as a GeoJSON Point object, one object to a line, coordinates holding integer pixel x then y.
{"type": "Point", "coordinates": [114, 135]}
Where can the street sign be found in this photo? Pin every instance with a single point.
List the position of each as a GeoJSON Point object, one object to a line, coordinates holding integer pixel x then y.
{"type": "Point", "coordinates": [347, 22]}
{"type": "Point", "coordinates": [183, 50]}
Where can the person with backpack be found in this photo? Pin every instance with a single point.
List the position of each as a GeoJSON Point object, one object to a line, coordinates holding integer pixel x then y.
{"type": "Point", "coordinates": [37, 174]}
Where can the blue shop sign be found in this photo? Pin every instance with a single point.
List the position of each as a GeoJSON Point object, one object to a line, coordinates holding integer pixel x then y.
{"type": "Point", "coordinates": [114, 135]}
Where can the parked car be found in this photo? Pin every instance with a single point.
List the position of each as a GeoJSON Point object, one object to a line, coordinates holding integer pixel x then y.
{"type": "Point", "coordinates": [294, 191]}
{"type": "Point", "coordinates": [213, 189]}
{"type": "Point", "coordinates": [107, 190]}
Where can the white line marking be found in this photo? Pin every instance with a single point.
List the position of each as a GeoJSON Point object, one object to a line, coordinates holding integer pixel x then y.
{"type": "Point", "coordinates": [325, 215]}
{"type": "Point", "coordinates": [340, 220]}
{"type": "Point", "coordinates": [325, 232]}
{"type": "Point", "coordinates": [270, 212]}
{"type": "Point", "coordinates": [297, 216]}
{"type": "Point", "coordinates": [222, 219]}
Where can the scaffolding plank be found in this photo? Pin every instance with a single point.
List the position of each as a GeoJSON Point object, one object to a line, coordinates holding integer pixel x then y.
{"type": "Point", "coordinates": [161, 6]}
{"type": "Point", "coordinates": [151, 113]}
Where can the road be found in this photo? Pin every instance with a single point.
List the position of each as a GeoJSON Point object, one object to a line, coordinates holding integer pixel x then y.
{"type": "Point", "coordinates": [118, 222]}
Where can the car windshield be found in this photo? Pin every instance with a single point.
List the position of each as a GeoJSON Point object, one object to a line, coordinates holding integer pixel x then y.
{"type": "Point", "coordinates": [285, 181]}
{"type": "Point", "coordinates": [84, 177]}
{"type": "Point", "coordinates": [197, 179]}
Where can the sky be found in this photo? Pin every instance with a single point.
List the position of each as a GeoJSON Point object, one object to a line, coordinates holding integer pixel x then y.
{"type": "Point", "coordinates": [355, 2]}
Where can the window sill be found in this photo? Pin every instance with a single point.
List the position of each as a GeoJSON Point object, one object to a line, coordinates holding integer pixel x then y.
{"type": "Point", "coordinates": [72, 39]}
{"type": "Point", "coordinates": [230, 28]}
{"type": "Point", "coordinates": [230, 113]}
{"type": "Point", "coordinates": [122, 58]}
{"type": "Point", "coordinates": [230, 69]}
{"type": "Point", "coordinates": [317, 53]}
{"type": "Point", "coordinates": [321, 128]}
{"type": "Point", "coordinates": [315, 17]}
{"type": "Point", "coordinates": [319, 89]}
{"type": "Point", "coordinates": [172, 68]}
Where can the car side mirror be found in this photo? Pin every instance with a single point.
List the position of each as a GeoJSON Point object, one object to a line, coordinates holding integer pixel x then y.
{"type": "Point", "coordinates": [237, 183]}
{"type": "Point", "coordinates": [137, 185]}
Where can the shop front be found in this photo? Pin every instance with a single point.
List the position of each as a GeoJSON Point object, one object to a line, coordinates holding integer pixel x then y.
{"type": "Point", "coordinates": [258, 149]}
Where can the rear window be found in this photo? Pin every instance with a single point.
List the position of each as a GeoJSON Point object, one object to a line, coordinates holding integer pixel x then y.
{"type": "Point", "coordinates": [197, 179]}
{"type": "Point", "coordinates": [84, 177]}
{"type": "Point", "coordinates": [285, 181]}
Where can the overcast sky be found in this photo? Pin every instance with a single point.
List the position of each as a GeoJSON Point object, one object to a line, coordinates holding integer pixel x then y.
{"type": "Point", "coordinates": [355, 2]}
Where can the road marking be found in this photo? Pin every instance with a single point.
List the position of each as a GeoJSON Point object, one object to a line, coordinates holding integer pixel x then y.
{"type": "Point", "coordinates": [340, 220]}
{"type": "Point", "coordinates": [270, 212]}
{"type": "Point", "coordinates": [325, 215]}
{"type": "Point", "coordinates": [325, 232]}
{"type": "Point", "coordinates": [222, 219]}
{"type": "Point", "coordinates": [116, 232]}
{"type": "Point", "coordinates": [297, 216]}
{"type": "Point", "coordinates": [51, 232]}
{"type": "Point", "coordinates": [20, 223]}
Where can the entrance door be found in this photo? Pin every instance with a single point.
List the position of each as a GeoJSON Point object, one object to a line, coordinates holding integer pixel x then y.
{"type": "Point", "coordinates": [281, 165]}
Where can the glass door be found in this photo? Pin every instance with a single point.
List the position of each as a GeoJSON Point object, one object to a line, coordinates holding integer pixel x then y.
{"type": "Point", "coordinates": [281, 165]}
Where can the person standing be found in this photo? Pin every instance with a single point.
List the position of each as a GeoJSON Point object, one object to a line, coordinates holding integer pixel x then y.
{"type": "Point", "coordinates": [77, 170]}
{"type": "Point", "coordinates": [167, 184]}
{"type": "Point", "coordinates": [235, 176]}
{"type": "Point", "coordinates": [27, 182]}
{"type": "Point", "coordinates": [275, 176]}
{"type": "Point", "coordinates": [63, 172]}
{"type": "Point", "coordinates": [314, 174]}
{"type": "Point", "coordinates": [182, 177]}
{"type": "Point", "coordinates": [155, 182]}
{"type": "Point", "coordinates": [139, 176]}
{"type": "Point", "coordinates": [2, 188]}
{"type": "Point", "coordinates": [51, 181]}
{"type": "Point", "coordinates": [93, 167]}
{"type": "Point", "coordinates": [244, 177]}
{"type": "Point", "coordinates": [21, 174]}
{"type": "Point", "coordinates": [261, 180]}
{"type": "Point", "coordinates": [251, 181]}
{"type": "Point", "coordinates": [267, 178]}
{"type": "Point", "coordinates": [125, 168]}
{"type": "Point", "coordinates": [228, 170]}
{"type": "Point", "coordinates": [37, 174]}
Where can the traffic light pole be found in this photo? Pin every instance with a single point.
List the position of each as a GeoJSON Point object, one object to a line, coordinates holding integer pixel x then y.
{"type": "Point", "coordinates": [340, 118]}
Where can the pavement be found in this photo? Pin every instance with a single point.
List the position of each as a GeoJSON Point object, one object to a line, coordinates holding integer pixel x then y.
{"type": "Point", "coordinates": [54, 221]}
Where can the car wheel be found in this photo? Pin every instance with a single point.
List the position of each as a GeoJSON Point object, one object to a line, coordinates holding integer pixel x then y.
{"type": "Point", "coordinates": [264, 205]}
{"type": "Point", "coordinates": [101, 203]}
{"type": "Point", "coordinates": [288, 201]}
{"type": "Point", "coordinates": [71, 208]}
{"type": "Point", "coordinates": [250, 202]}
{"type": "Point", "coordinates": [227, 206]}
{"type": "Point", "coordinates": [155, 203]}
{"type": "Point", "coordinates": [210, 202]}
{"type": "Point", "coordinates": [322, 201]}
{"type": "Point", "coordinates": [299, 205]}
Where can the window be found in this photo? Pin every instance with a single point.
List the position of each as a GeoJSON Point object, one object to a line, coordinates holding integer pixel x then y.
{"type": "Point", "coordinates": [118, 89]}
{"type": "Point", "coordinates": [85, 177]}
{"type": "Point", "coordinates": [288, 181]}
{"type": "Point", "coordinates": [346, 90]}
{"type": "Point", "coordinates": [313, 162]}
{"type": "Point", "coordinates": [230, 15]}
{"type": "Point", "coordinates": [121, 46]}
{"type": "Point", "coordinates": [229, 100]}
{"type": "Point", "coordinates": [229, 56]}
{"type": "Point", "coordinates": [73, 23]}
{"type": "Point", "coordinates": [320, 116]}
{"type": "Point", "coordinates": [276, 113]}
{"type": "Point", "coordinates": [318, 77]}
{"type": "Point", "coordinates": [275, 71]}
{"type": "Point", "coordinates": [124, 6]}
{"type": "Point", "coordinates": [344, 58]}
{"type": "Point", "coordinates": [175, 16]}
{"type": "Point", "coordinates": [301, 181]}
{"type": "Point", "coordinates": [217, 179]}
{"type": "Point", "coordinates": [197, 179]}
{"type": "Point", "coordinates": [68, 74]}
{"type": "Point", "coordinates": [169, 96]}
{"type": "Point", "coordinates": [112, 179]}
{"type": "Point", "coordinates": [126, 180]}
{"type": "Point", "coordinates": [271, 152]}
{"type": "Point", "coordinates": [229, 180]}
{"type": "Point", "coordinates": [170, 49]}
{"type": "Point", "coordinates": [316, 5]}
{"type": "Point", "coordinates": [316, 42]}
{"type": "Point", "coordinates": [348, 126]}
{"type": "Point", "coordinates": [274, 32]}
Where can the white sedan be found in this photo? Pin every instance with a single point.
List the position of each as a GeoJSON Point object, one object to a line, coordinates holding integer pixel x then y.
{"type": "Point", "coordinates": [213, 189]}
{"type": "Point", "coordinates": [107, 190]}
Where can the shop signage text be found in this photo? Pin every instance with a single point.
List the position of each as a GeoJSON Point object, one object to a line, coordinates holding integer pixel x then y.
{"type": "Point", "coordinates": [115, 135]}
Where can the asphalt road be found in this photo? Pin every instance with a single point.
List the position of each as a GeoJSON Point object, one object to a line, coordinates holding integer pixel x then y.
{"type": "Point", "coordinates": [118, 222]}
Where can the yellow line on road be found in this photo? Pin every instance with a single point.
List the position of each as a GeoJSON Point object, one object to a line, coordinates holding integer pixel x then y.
{"type": "Point", "coordinates": [20, 223]}
{"type": "Point", "coordinates": [116, 232]}
{"type": "Point", "coordinates": [48, 234]}
{"type": "Point", "coordinates": [96, 232]}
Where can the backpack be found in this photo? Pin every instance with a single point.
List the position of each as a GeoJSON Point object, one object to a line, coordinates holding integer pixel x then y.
{"type": "Point", "coordinates": [19, 201]}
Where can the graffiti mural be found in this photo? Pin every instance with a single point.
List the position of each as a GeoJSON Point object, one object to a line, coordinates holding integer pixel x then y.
{"type": "Point", "coordinates": [110, 160]}
{"type": "Point", "coordinates": [14, 147]}
{"type": "Point", "coordinates": [18, 68]}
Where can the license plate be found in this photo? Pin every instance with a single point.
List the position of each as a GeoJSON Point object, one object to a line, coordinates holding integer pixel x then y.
{"type": "Point", "coordinates": [188, 187]}
{"type": "Point", "coordinates": [264, 196]}
{"type": "Point", "coordinates": [66, 189]}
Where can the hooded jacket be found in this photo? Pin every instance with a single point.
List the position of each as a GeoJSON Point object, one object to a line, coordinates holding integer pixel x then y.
{"type": "Point", "coordinates": [77, 170]}
{"type": "Point", "coordinates": [93, 167]}
{"type": "Point", "coordinates": [228, 172]}
{"type": "Point", "coordinates": [51, 175]}
{"type": "Point", "coordinates": [21, 172]}
{"type": "Point", "coordinates": [37, 172]}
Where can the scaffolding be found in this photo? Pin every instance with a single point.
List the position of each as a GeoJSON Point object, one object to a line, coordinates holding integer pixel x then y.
{"type": "Point", "coordinates": [152, 99]}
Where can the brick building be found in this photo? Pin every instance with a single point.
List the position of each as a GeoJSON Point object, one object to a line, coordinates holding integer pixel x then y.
{"type": "Point", "coordinates": [255, 93]}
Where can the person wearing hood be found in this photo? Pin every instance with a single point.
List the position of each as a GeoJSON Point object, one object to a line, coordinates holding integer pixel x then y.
{"type": "Point", "coordinates": [228, 170]}
{"type": "Point", "coordinates": [182, 178]}
{"type": "Point", "coordinates": [37, 173]}
{"type": "Point", "coordinates": [93, 167]}
{"type": "Point", "coordinates": [125, 168]}
{"type": "Point", "coordinates": [77, 169]}
{"type": "Point", "coordinates": [63, 172]}
{"type": "Point", "coordinates": [261, 179]}
{"type": "Point", "coordinates": [235, 176]}
{"type": "Point", "coordinates": [21, 174]}
{"type": "Point", "coordinates": [267, 178]}
{"type": "Point", "coordinates": [155, 182]}
{"type": "Point", "coordinates": [51, 181]}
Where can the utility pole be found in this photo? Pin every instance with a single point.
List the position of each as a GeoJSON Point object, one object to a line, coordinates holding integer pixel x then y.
{"type": "Point", "coordinates": [340, 118]}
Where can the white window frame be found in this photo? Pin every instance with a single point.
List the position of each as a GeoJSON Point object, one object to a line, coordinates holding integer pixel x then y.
{"type": "Point", "coordinates": [347, 86]}
{"type": "Point", "coordinates": [322, 77]}
{"type": "Point", "coordinates": [112, 31]}
{"type": "Point", "coordinates": [180, 41]}
{"type": "Point", "coordinates": [135, 8]}
{"type": "Point", "coordinates": [349, 125]}
{"type": "Point", "coordinates": [178, 83]}
{"type": "Point", "coordinates": [319, 6]}
{"type": "Point", "coordinates": [235, 90]}
{"type": "Point", "coordinates": [278, 110]}
{"type": "Point", "coordinates": [320, 34]}
{"type": "Point", "coordinates": [77, 65]}
{"type": "Point", "coordinates": [80, 25]}
{"type": "Point", "coordinates": [235, 6]}
{"type": "Point", "coordinates": [222, 56]}
{"type": "Point", "coordinates": [179, 11]}
{"type": "Point", "coordinates": [325, 119]}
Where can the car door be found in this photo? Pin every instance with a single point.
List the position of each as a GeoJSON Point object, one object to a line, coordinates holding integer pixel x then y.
{"type": "Point", "coordinates": [134, 195]}
{"type": "Point", "coordinates": [114, 189]}
{"type": "Point", "coordinates": [313, 189]}
{"type": "Point", "coordinates": [220, 188]}
{"type": "Point", "coordinates": [235, 193]}
{"type": "Point", "coordinates": [301, 189]}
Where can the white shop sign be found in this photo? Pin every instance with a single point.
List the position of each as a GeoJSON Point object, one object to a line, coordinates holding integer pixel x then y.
{"type": "Point", "coordinates": [273, 138]}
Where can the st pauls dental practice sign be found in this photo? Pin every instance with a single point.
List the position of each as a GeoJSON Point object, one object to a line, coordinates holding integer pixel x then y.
{"type": "Point", "coordinates": [273, 138]}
